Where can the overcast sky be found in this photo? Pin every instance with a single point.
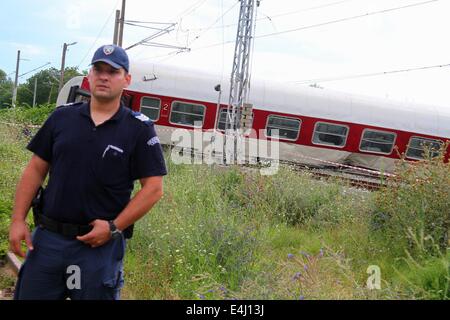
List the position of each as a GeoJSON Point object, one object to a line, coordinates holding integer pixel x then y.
{"type": "Point", "coordinates": [407, 38]}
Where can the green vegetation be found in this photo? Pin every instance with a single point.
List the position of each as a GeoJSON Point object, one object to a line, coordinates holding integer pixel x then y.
{"type": "Point", "coordinates": [16, 126]}
{"type": "Point", "coordinates": [26, 116]}
{"type": "Point", "coordinates": [225, 233]}
{"type": "Point", "coordinates": [47, 87]}
{"type": "Point", "coordinates": [6, 88]}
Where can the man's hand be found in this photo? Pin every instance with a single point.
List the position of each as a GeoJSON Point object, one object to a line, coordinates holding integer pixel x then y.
{"type": "Point", "coordinates": [99, 235]}
{"type": "Point", "coordinates": [19, 232]}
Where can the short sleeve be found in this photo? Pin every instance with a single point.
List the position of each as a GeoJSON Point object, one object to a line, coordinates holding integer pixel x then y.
{"type": "Point", "coordinates": [42, 143]}
{"type": "Point", "coordinates": [147, 159]}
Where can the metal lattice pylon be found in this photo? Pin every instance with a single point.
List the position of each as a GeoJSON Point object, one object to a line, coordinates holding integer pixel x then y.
{"type": "Point", "coordinates": [240, 74]}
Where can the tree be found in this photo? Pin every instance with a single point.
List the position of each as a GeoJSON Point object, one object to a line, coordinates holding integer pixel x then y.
{"type": "Point", "coordinates": [47, 85]}
{"type": "Point", "coordinates": [6, 87]}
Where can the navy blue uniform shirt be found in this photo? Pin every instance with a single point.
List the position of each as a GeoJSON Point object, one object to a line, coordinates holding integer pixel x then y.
{"type": "Point", "coordinates": [92, 168]}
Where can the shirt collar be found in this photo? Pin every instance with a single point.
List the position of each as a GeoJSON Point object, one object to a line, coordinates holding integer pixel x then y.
{"type": "Point", "coordinates": [85, 110]}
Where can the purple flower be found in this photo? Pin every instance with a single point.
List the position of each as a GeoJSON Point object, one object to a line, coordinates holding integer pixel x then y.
{"type": "Point", "coordinates": [305, 267]}
{"type": "Point", "coordinates": [201, 296]}
{"type": "Point", "coordinates": [297, 276]}
{"type": "Point", "coordinates": [290, 256]}
{"type": "Point", "coordinates": [301, 298]}
{"type": "Point", "coordinates": [223, 289]}
{"type": "Point", "coordinates": [321, 252]}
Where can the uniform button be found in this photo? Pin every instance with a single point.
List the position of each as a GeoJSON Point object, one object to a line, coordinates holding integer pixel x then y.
{"type": "Point", "coordinates": [94, 129]}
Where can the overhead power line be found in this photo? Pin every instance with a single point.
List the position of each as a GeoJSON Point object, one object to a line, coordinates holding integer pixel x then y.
{"type": "Point", "coordinates": [223, 43]}
{"type": "Point", "coordinates": [345, 19]}
{"type": "Point", "coordinates": [320, 80]}
{"type": "Point", "coordinates": [23, 74]}
{"type": "Point", "coordinates": [326, 5]}
{"type": "Point", "coordinates": [190, 9]}
{"type": "Point", "coordinates": [99, 34]}
{"type": "Point", "coordinates": [144, 22]}
{"type": "Point", "coordinates": [215, 21]}
{"type": "Point", "coordinates": [315, 25]}
{"type": "Point", "coordinates": [146, 27]}
{"type": "Point", "coordinates": [159, 32]}
{"type": "Point", "coordinates": [278, 15]}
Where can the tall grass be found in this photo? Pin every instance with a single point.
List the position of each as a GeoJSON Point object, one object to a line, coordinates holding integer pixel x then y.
{"type": "Point", "coordinates": [230, 233]}
{"type": "Point", "coordinates": [414, 217]}
{"type": "Point", "coordinates": [15, 133]}
{"type": "Point", "coordinates": [226, 233]}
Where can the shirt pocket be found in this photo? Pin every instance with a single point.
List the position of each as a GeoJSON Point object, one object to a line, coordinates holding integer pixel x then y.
{"type": "Point", "coordinates": [113, 168]}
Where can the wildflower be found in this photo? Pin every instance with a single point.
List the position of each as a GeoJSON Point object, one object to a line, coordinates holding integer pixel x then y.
{"type": "Point", "coordinates": [301, 298]}
{"type": "Point", "coordinates": [223, 289]}
{"type": "Point", "coordinates": [321, 252]}
{"type": "Point", "coordinates": [201, 296]}
{"type": "Point", "coordinates": [290, 256]}
{"type": "Point", "coordinates": [305, 267]}
{"type": "Point", "coordinates": [297, 276]}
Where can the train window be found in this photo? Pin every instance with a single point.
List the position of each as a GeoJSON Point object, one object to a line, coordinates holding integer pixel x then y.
{"type": "Point", "coordinates": [222, 119]}
{"type": "Point", "coordinates": [417, 146]}
{"type": "Point", "coordinates": [330, 134]}
{"type": "Point", "coordinates": [151, 107]}
{"type": "Point", "coordinates": [288, 128]}
{"type": "Point", "coordinates": [222, 122]}
{"type": "Point", "coordinates": [377, 141]}
{"type": "Point", "coordinates": [187, 114]}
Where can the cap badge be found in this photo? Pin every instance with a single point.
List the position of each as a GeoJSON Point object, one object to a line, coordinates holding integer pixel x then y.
{"type": "Point", "coordinates": [108, 50]}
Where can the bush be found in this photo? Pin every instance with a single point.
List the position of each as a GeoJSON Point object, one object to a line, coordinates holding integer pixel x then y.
{"type": "Point", "coordinates": [27, 115]}
{"type": "Point", "coordinates": [414, 212]}
{"type": "Point", "coordinates": [296, 198]}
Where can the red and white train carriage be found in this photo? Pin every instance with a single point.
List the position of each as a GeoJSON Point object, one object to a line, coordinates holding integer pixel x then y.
{"type": "Point", "coordinates": [316, 126]}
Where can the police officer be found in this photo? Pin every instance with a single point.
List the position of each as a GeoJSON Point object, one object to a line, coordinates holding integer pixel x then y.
{"type": "Point", "coordinates": [93, 152]}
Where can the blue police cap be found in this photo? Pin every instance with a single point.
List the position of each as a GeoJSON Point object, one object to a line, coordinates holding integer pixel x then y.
{"type": "Point", "coordinates": [113, 55]}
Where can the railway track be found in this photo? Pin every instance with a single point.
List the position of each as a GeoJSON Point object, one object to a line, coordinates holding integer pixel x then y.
{"type": "Point", "coordinates": [355, 176]}
{"type": "Point", "coordinates": [358, 179]}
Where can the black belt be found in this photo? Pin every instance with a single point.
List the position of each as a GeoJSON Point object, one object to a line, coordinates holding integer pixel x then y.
{"type": "Point", "coordinates": [66, 229]}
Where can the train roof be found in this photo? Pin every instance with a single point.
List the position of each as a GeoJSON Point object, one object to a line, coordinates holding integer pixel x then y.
{"type": "Point", "coordinates": [299, 100]}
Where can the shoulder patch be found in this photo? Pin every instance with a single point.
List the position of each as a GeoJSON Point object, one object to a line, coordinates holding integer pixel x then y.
{"type": "Point", "coordinates": [153, 141]}
{"type": "Point", "coordinates": [141, 117]}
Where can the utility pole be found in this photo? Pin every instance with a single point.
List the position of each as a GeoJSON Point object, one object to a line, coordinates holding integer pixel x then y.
{"type": "Point", "coordinates": [63, 62]}
{"type": "Point", "coordinates": [50, 94]}
{"type": "Point", "coordinates": [35, 90]}
{"type": "Point", "coordinates": [14, 97]}
{"type": "Point", "coordinates": [116, 28]}
{"type": "Point", "coordinates": [122, 23]}
{"type": "Point", "coordinates": [240, 75]}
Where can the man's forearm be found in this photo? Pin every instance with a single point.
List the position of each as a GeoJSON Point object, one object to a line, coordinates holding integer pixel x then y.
{"type": "Point", "coordinates": [25, 192]}
{"type": "Point", "coordinates": [139, 205]}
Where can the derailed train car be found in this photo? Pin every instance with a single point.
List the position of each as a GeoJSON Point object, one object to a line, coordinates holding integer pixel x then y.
{"type": "Point", "coordinates": [314, 126]}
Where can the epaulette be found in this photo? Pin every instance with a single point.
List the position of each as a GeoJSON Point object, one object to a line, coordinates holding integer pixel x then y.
{"type": "Point", "coordinates": [70, 104]}
{"type": "Point", "coordinates": [142, 117]}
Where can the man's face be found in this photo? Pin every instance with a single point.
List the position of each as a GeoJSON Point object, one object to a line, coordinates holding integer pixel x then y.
{"type": "Point", "coordinates": [107, 83]}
